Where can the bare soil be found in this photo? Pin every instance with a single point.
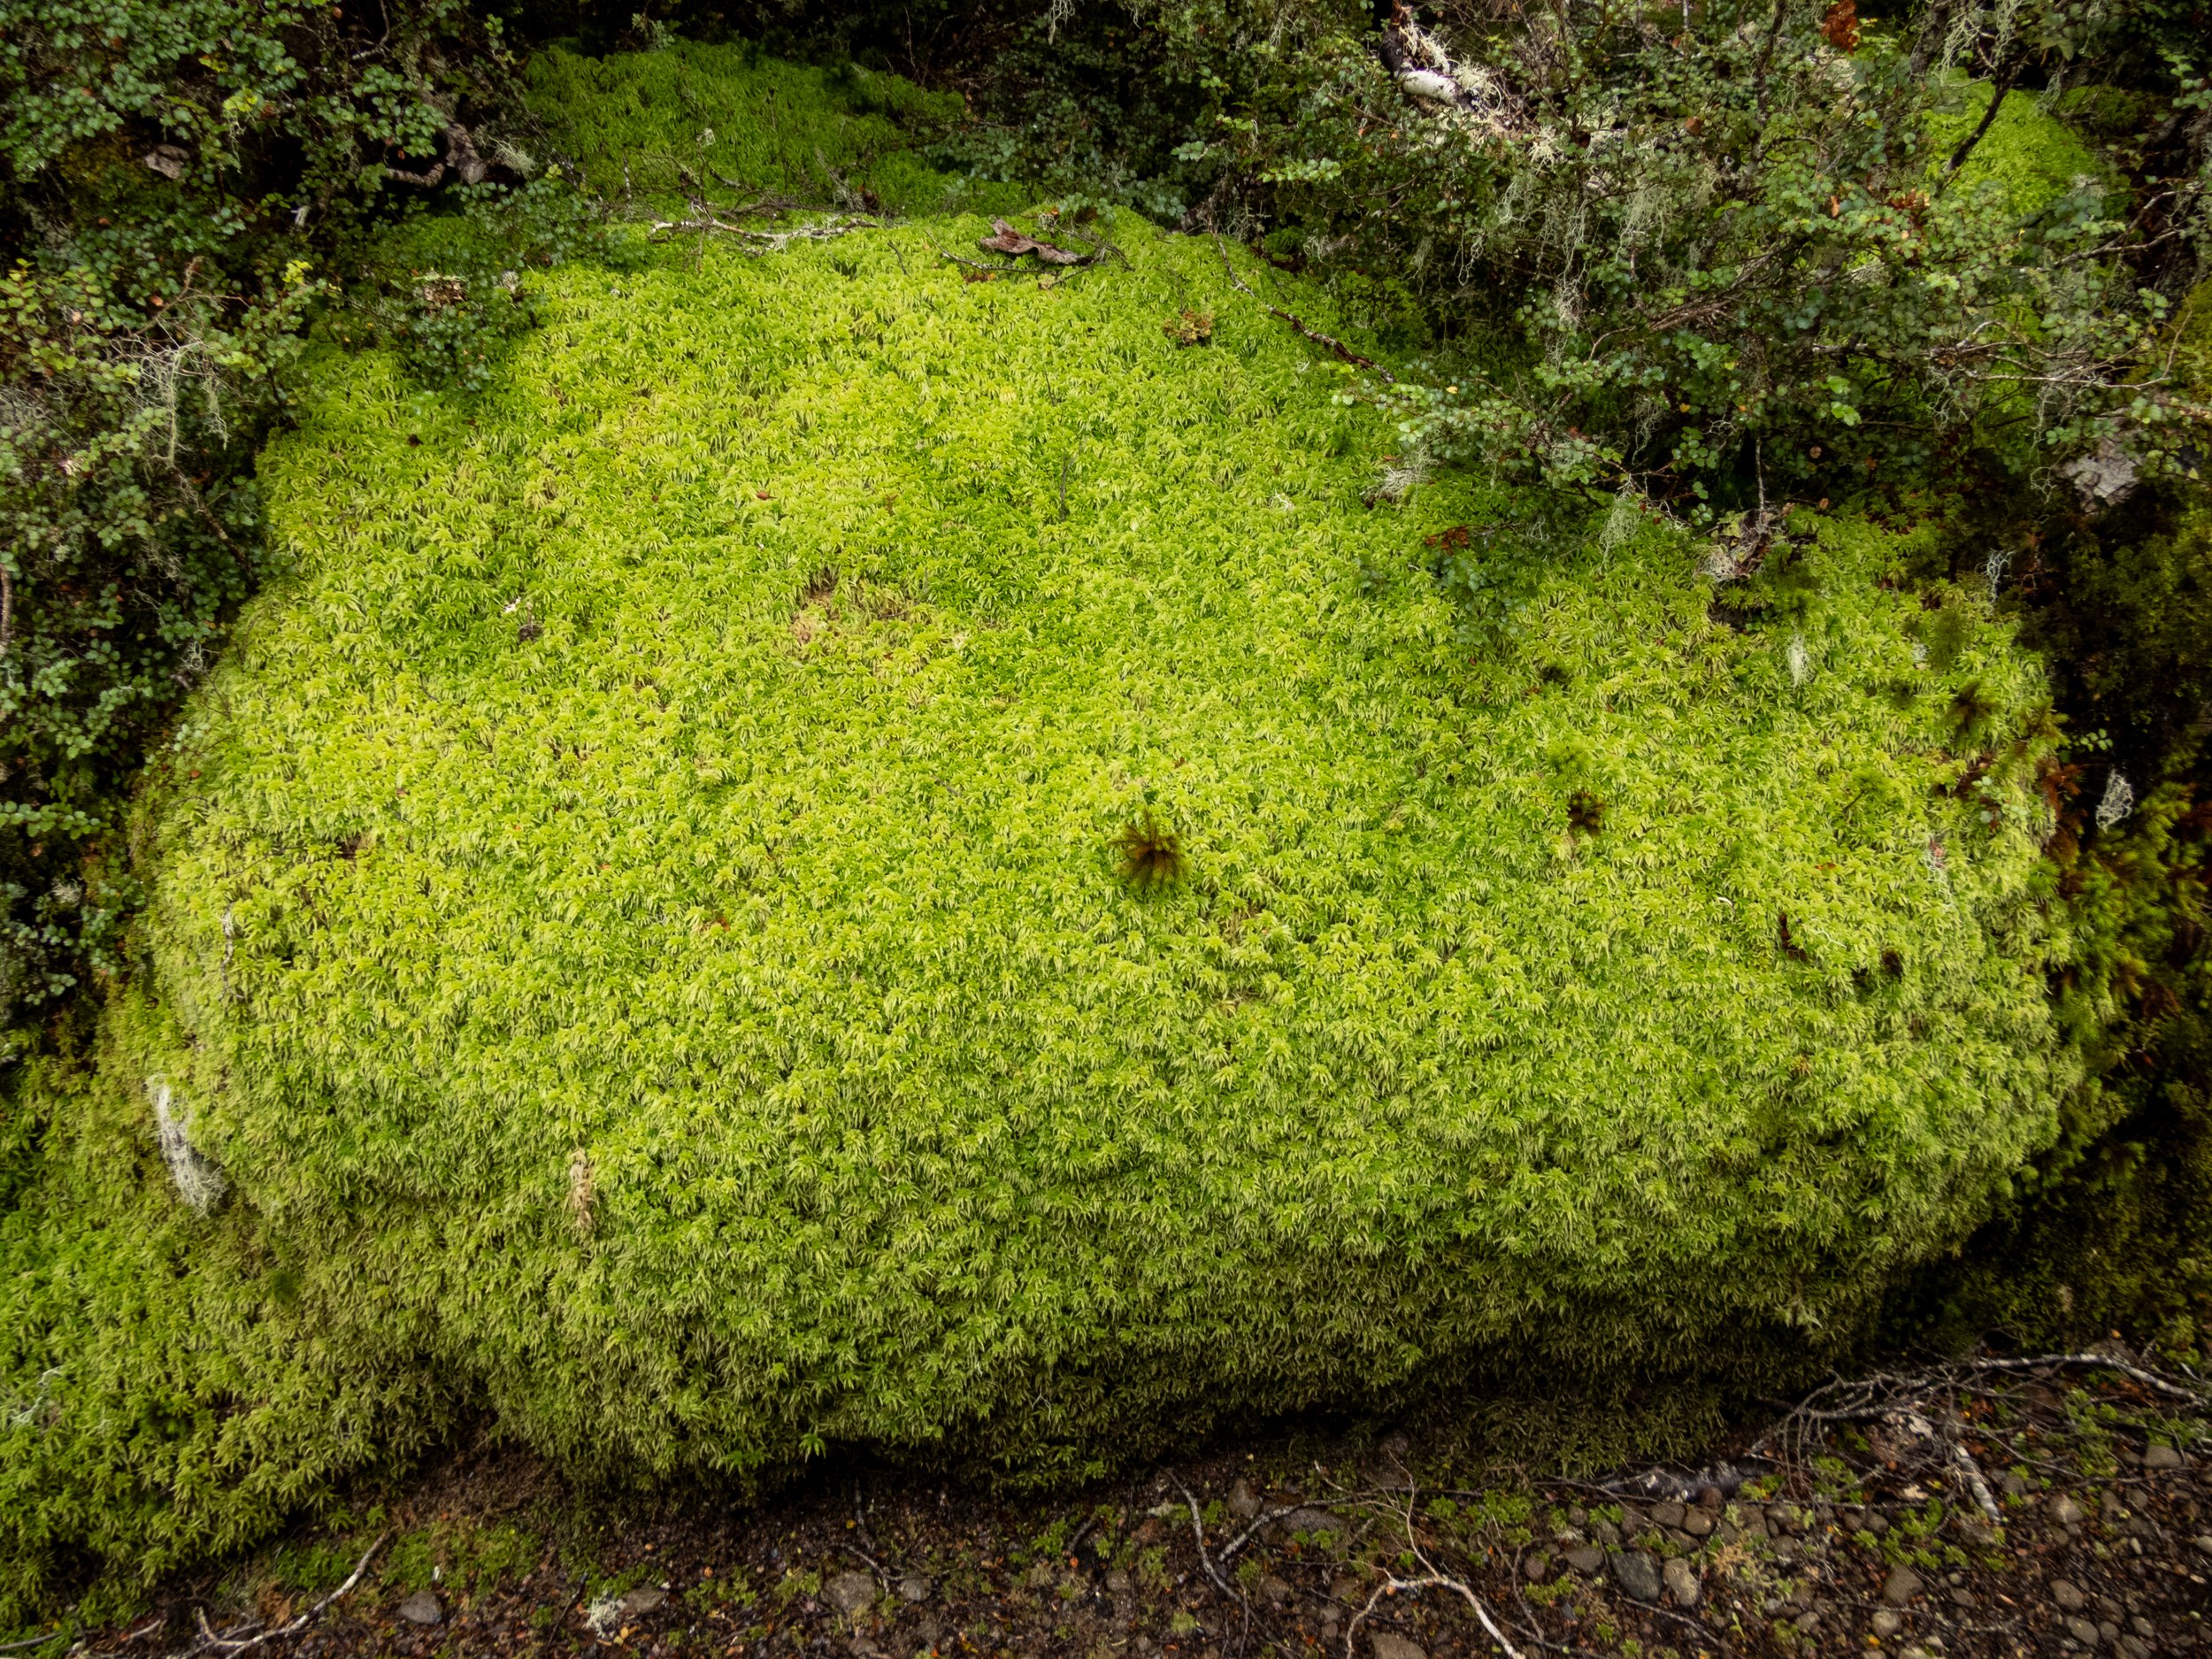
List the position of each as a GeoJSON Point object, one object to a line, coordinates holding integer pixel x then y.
{"type": "Point", "coordinates": [1849, 1526]}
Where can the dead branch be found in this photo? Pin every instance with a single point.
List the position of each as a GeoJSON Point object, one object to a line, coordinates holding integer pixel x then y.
{"type": "Point", "coordinates": [1265, 1518]}
{"type": "Point", "coordinates": [2151, 1380]}
{"type": "Point", "coordinates": [1331, 342]}
{"type": "Point", "coordinates": [233, 1643]}
{"type": "Point", "coordinates": [1428, 1581]}
{"type": "Point", "coordinates": [31, 1642]}
{"type": "Point", "coordinates": [1198, 1536]}
{"type": "Point", "coordinates": [757, 242]}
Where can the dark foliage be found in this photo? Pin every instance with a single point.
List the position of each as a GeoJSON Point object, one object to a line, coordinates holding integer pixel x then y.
{"type": "Point", "coordinates": [183, 185]}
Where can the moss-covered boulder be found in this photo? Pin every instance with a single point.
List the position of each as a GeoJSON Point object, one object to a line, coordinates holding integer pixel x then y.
{"type": "Point", "coordinates": [640, 916]}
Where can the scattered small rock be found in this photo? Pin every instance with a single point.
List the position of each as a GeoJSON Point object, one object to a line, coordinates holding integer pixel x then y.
{"type": "Point", "coordinates": [2064, 1512]}
{"type": "Point", "coordinates": [1536, 1565]}
{"type": "Point", "coordinates": [1698, 1523]}
{"type": "Point", "coordinates": [2083, 1631]}
{"type": "Point", "coordinates": [2067, 1596]}
{"type": "Point", "coordinates": [1310, 1519]}
{"type": "Point", "coordinates": [1274, 1592]}
{"type": "Point", "coordinates": [1586, 1558]}
{"type": "Point", "coordinates": [1681, 1580]}
{"type": "Point", "coordinates": [1902, 1584]}
{"type": "Point", "coordinates": [1637, 1574]}
{"type": "Point", "coordinates": [914, 1588]}
{"type": "Point", "coordinates": [1119, 1583]}
{"type": "Point", "coordinates": [643, 1599]}
{"type": "Point", "coordinates": [1887, 1623]}
{"type": "Point", "coordinates": [422, 1608]}
{"type": "Point", "coordinates": [1390, 1646]}
{"type": "Point", "coordinates": [2158, 1455]}
{"type": "Point", "coordinates": [1244, 1503]}
{"type": "Point", "coordinates": [853, 1594]}
{"type": "Point", "coordinates": [1668, 1514]}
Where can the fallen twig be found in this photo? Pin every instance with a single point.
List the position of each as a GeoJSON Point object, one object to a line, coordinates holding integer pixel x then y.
{"type": "Point", "coordinates": [1198, 1536]}
{"type": "Point", "coordinates": [233, 1644]}
{"type": "Point", "coordinates": [2099, 1361]}
{"type": "Point", "coordinates": [33, 1641]}
{"type": "Point", "coordinates": [758, 242]}
{"type": "Point", "coordinates": [1431, 1580]}
{"type": "Point", "coordinates": [1314, 335]}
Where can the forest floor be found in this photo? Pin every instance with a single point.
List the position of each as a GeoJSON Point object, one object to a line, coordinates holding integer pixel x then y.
{"type": "Point", "coordinates": [1851, 1525]}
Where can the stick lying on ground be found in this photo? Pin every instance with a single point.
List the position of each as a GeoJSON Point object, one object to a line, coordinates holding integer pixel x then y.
{"type": "Point", "coordinates": [705, 222]}
{"type": "Point", "coordinates": [233, 1644]}
{"type": "Point", "coordinates": [1314, 335]}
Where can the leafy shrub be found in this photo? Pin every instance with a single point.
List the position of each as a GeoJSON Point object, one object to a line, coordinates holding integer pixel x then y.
{"type": "Point", "coordinates": [1710, 263]}
{"type": "Point", "coordinates": [177, 180]}
{"type": "Point", "coordinates": [716, 1024]}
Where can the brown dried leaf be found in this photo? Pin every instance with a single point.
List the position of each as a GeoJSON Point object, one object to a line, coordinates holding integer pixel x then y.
{"type": "Point", "coordinates": [1007, 241]}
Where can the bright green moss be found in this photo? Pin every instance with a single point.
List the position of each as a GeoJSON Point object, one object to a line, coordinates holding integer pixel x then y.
{"type": "Point", "coordinates": [716, 1021]}
{"type": "Point", "coordinates": [2029, 156]}
{"type": "Point", "coordinates": [822, 135]}
{"type": "Point", "coordinates": [638, 919]}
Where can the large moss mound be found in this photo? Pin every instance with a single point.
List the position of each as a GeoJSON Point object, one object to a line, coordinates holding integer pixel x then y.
{"type": "Point", "coordinates": [647, 921]}
{"type": "Point", "coordinates": [645, 905]}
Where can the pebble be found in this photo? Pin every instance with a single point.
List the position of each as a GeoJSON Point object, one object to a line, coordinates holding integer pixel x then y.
{"type": "Point", "coordinates": [1244, 1503]}
{"type": "Point", "coordinates": [1698, 1523]}
{"type": "Point", "coordinates": [2083, 1631]}
{"type": "Point", "coordinates": [1536, 1565]}
{"type": "Point", "coordinates": [1668, 1514]}
{"type": "Point", "coordinates": [1901, 1586]}
{"type": "Point", "coordinates": [1119, 1583]}
{"type": "Point", "coordinates": [1637, 1574]}
{"type": "Point", "coordinates": [913, 1587]}
{"type": "Point", "coordinates": [1681, 1579]}
{"type": "Point", "coordinates": [643, 1600]}
{"type": "Point", "coordinates": [422, 1608]}
{"type": "Point", "coordinates": [1586, 1558]}
{"type": "Point", "coordinates": [2067, 1596]}
{"type": "Point", "coordinates": [853, 1594]}
{"type": "Point", "coordinates": [2158, 1455]}
{"type": "Point", "coordinates": [2064, 1512]}
{"type": "Point", "coordinates": [1310, 1519]}
{"type": "Point", "coordinates": [1389, 1645]}
{"type": "Point", "coordinates": [1887, 1623]}
{"type": "Point", "coordinates": [1274, 1591]}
